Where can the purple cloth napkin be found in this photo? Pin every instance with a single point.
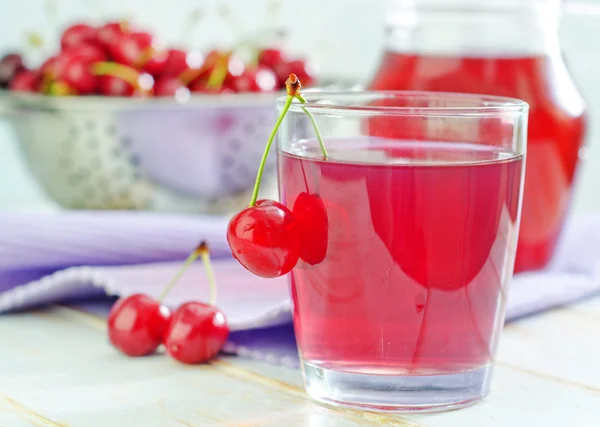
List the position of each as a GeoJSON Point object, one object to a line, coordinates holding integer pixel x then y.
{"type": "Point", "coordinates": [77, 255]}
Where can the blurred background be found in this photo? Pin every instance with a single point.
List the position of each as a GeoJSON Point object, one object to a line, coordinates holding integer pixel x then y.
{"type": "Point", "coordinates": [341, 38]}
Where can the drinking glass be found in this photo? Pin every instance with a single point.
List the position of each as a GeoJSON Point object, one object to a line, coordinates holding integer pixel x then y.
{"type": "Point", "coordinates": [407, 239]}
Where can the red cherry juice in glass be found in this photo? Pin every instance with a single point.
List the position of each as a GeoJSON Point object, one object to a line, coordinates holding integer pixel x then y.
{"type": "Point", "coordinates": [405, 251]}
{"type": "Point", "coordinates": [555, 130]}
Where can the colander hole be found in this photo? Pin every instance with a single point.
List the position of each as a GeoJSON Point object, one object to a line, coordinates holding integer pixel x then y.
{"type": "Point", "coordinates": [93, 143]}
{"type": "Point", "coordinates": [126, 142]}
{"type": "Point", "coordinates": [73, 131]}
{"type": "Point", "coordinates": [117, 152]}
{"type": "Point", "coordinates": [90, 125]}
{"type": "Point", "coordinates": [228, 161]}
{"type": "Point", "coordinates": [111, 130]}
{"type": "Point", "coordinates": [249, 129]}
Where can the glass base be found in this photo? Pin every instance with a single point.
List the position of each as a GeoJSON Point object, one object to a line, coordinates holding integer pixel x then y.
{"type": "Point", "coordinates": [396, 393]}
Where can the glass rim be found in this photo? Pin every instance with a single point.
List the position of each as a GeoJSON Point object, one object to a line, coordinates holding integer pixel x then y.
{"type": "Point", "coordinates": [327, 101]}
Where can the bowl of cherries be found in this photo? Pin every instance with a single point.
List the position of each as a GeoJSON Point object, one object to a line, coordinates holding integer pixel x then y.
{"type": "Point", "coordinates": [112, 121]}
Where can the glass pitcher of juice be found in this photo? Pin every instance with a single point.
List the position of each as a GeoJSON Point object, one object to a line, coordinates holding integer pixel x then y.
{"type": "Point", "coordinates": [507, 48]}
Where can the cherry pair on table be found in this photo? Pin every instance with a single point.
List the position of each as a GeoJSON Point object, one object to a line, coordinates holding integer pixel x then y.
{"type": "Point", "coordinates": [194, 333]}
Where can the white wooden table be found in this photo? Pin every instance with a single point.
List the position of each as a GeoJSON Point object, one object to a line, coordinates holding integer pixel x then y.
{"type": "Point", "coordinates": [57, 369]}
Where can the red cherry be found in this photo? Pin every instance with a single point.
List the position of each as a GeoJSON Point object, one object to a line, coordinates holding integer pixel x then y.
{"type": "Point", "coordinates": [176, 62]}
{"type": "Point", "coordinates": [143, 39]}
{"type": "Point", "coordinates": [271, 58]}
{"type": "Point", "coordinates": [260, 79]}
{"type": "Point", "coordinates": [26, 81]}
{"type": "Point", "coordinates": [196, 333]}
{"type": "Point", "coordinates": [303, 71]}
{"type": "Point", "coordinates": [76, 72]}
{"type": "Point", "coordinates": [88, 51]}
{"type": "Point", "coordinates": [156, 64]}
{"type": "Point", "coordinates": [10, 65]}
{"type": "Point", "coordinates": [282, 71]}
{"type": "Point", "coordinates": [169, 86]}
{"type": "Point", "coordinates": [115, 86]}
{"type": "Point", "coordinates": [47, 67]}
{"type": "Point", "coordinates": [110, 33]}
{"type": "Point", "coordinates": [55, 66]}
{"type": "Point", "coordinates": [77, 34]}
{"type": "Point", "coordinates": [313, 227]}
{"type": "Point", "coordinates": [127, 51]}
{"type": "Point", "coordinates": [264, 239]}
{"type": "Point", "coordinates": [136, 324]}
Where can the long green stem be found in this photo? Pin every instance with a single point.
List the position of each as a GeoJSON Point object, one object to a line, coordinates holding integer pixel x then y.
{"type": "Point", "coordinates": [188, 262]}
{"type": "Point", "coordinates": [210, 274]}
{"type": "Point", "coordinates": [263, 161]}
{"type": "Point", "coordinates": [314, 123]}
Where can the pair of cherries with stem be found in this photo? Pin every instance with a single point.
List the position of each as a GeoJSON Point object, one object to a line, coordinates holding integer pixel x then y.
{"type": "Point", "coordinates": [194, 333]}
{"type": "Point", "coordinates": [268, 238]}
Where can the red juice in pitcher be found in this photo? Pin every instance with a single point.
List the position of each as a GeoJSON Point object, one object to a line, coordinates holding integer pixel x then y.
{"type": "Point", "coordinates": [507, 52]}
{"type": "Point", "coordinates": [413, 278]}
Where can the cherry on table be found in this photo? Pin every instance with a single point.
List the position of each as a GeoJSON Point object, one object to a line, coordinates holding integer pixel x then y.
{"type": "Point", "coordinates": [136, 324]}
{"type": "Point", "coordinates": [264, 239]}
{"type": "Point", "coordinates": [11, 64]}
{"type": "Point", "coordinates": [310, 215]}
{"type": "Point", "coordinates": [196, 333]}
{"type": "Point", "coordinates": [77, 34]}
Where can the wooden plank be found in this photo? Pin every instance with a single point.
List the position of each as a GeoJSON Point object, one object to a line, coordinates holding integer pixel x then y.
{"type": "Point", "coordinates": [57, 364]}
{"type": "Point", "coordinates": [13, 414]}
{"type": "Point", "coordinates": [563, 345]}
{"type": "Point", "coordinates": [66, 370]}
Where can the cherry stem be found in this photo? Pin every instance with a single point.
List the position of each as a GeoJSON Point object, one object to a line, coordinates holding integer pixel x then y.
{"type": "Point", "coordinates": [314, 124]}
{"type": "Point", "coordinates": [219, 73]}
{"type": "Point", "coordinates": [210, 274]}
{"type": "Point", "coordinates": [130, 75]}
{"type": "Point", "coordinates": [188, 262]}
{"type": "Point", "coordinates": [263, 161]}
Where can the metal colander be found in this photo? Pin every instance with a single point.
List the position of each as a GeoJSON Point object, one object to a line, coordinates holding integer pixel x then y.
{"type": "Point", "coordinates": [197, 155]}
